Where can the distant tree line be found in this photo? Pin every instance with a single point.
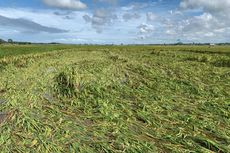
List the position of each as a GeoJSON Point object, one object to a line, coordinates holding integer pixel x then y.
{"type": "Point", "coordinates": [2, 41]}
{"type": "Point", "coordinates": [10, 41]}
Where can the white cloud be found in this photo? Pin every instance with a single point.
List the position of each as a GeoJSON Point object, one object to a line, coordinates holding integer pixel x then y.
{"type": "Point", "coordinates": [66, 4]}
{"type": "Point", "coordinates": [212, 6]}
{"type": "Point", "coordinates": [193, 20]}
{"type": "Point", "coordinates": [130, 16]}
{"type": "Point", "coordinates": [79, 31]}
{"type": "Point", "coordinates": [42, 16]}
{"type": "Point", "coordinates": [100, 19]}
{"type": "Point", "coordinates": [145, 31]}
{"type": "Point", "coordinates": [151, 16]}
{"type": "Point", "coordinates": [113, 2]}
{"type": "Point", "coordinates": [212, 24]}
{"type": "Point", "coordinates": [27, 25]}
{"type": "Point", "coordinates": [145, 28]}
{"type": "Point", "coordinates": [136, 6]}
{"type": "Point", "coordinates": [87, 18]}
{"type": "Point", "coordinates": [219, 9]}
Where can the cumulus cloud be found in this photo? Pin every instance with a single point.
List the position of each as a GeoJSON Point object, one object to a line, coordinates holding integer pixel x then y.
{"type": "Point", "coordinates": [137, 6]}
{"type": "Point", "coordinates": [66, 4]}
{"type": "Point", "coordinates": [130, 16]}
{"type": "Point", "coordinates": [220, 9]}
{"type": "Point", "coordinates": [27, 25]}
{"type": "Point", "coordinates": [199, 20]}
{"type": "Point", "coordinates": [62, 13]}
{"type": "Point", "coordinates": [107, 1]}
{"type": "Point", "coordinates": [87, 18]}
{"type": "Point", "coordinates": [145, 28]}
{"type": "Point", "coordinates": [204, 22]}
{"type": "Point", "coordinates": [213, 6]}
{"type": "Point", "coordinates": [100, 18]}
{"type": "Point", "coordinates": [205, 25]}
{"type": "Point", "coordinates": [151, 16]}
{"type": "Point", "coordinates": [145, 31]}
{"type": "Point", "coordinates": [214, 20]}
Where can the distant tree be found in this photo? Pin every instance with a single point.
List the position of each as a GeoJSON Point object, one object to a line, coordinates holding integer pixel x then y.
{"type": "Point", "coordinates": [179, 43]}
{"type": "Point", "coordinates": [54, 43]}
{"type": "Point", "coordinates": [10, 40]}
{"type": "Point", "coordinates": [2, 41]}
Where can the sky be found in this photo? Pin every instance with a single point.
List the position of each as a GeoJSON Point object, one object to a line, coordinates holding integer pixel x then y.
{"type": "Point", "coordinates": [115, 21]}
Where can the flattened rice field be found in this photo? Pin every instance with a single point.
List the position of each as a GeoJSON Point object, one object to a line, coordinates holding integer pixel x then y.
{"type": "Point", "coordinates": [59, 98]}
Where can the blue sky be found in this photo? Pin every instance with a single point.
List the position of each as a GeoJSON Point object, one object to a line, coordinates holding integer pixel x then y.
{"type": "Point", "coordinates": [115, 21]}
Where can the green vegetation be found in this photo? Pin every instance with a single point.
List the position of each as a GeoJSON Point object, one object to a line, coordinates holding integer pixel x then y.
{"type": "Point", "coordinates": [114, 99]}
{"type": "Point", "coordinates": [13, 50]}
